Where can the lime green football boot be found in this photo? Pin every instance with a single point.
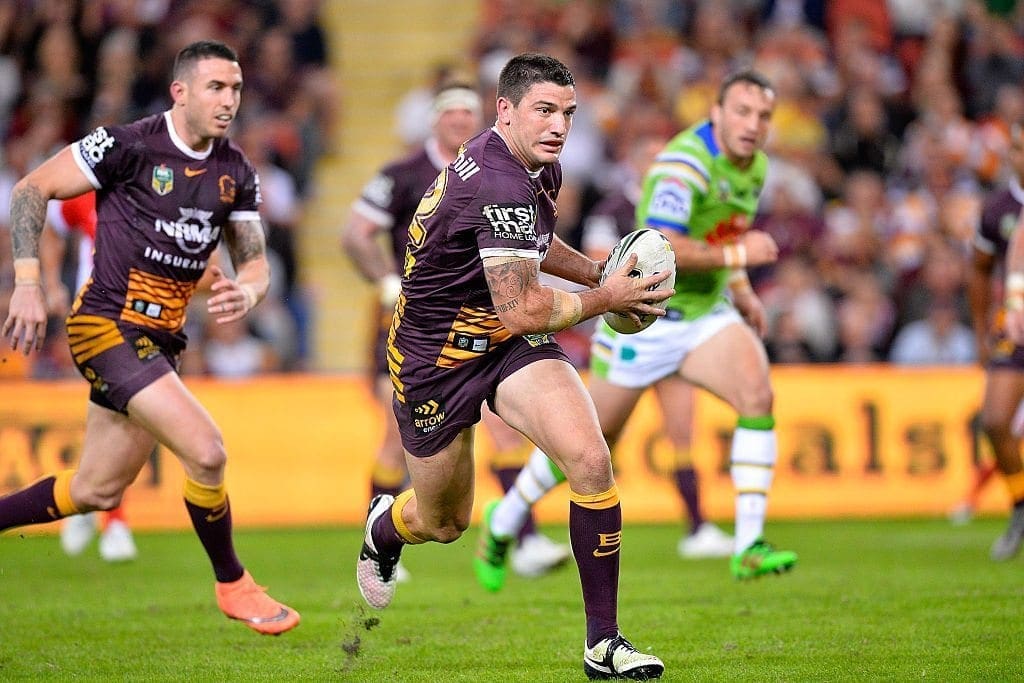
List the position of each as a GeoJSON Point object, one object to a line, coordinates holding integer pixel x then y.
{"type": "Point", "coordinates": [489, 563]}
{"type": "Point", "coordinates": [761, 558]}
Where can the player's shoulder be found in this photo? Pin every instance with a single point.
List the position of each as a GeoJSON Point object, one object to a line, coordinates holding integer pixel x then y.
{"type": "Point", "coordinates": [695, 147]}
{"type": "Point", "coordinates": [490, 151]}
{"type": "Point", "coordinates": [486, 167]}
{"type": "Point", "coordinates": [687, 157]}
{"type": "Point", "coordinates": [147, 125]}
{"type": "Point", "coordinates": [698, 139]}
{"type": "Point", "coordinates": [125, 133]}
{"type": "Point", "coordinates": [410, 162]}
{"type": "Point", "coordinates": [1006, 201]}
{"type": "Point", "coordinates": [229, 150]}
{"type": "Point", "coordinates": [1004, 195]}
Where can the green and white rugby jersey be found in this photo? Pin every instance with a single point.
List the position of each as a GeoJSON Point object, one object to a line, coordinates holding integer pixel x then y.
{"type": "Point", "coordinates": [692, 188]}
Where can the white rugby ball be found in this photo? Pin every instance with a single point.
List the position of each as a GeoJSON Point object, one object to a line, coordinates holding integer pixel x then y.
{"type": "Point", "coordinates": [654, 255]}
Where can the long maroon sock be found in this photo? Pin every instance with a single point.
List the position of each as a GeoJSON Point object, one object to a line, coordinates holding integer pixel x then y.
{"type": "Point", "coordinates": [687, 483]}
{"type": "Point", "coordinates": [595, 533]}
{"type": "Point", "coordinates": [33, 504]}
{"type": "Point", "coordinates": [385, 534]}
{"type": "Point", "coordinates": [213, 526]}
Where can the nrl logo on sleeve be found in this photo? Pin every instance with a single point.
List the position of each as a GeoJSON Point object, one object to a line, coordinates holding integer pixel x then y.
{"type": "Point", "coordinates": [512, 221]}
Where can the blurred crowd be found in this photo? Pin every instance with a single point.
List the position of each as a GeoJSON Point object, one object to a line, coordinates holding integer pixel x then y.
{"type": "Point", "coordinates": [68, 66]}
{"type": "Point", "coordinates": [891, 127]}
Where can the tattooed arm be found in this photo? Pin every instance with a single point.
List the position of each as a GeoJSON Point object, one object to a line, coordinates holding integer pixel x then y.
{"type": "Point", "coordinates": [525, 306]}
{"type": "Point", "coordinates": [247, 246]}
{"type": "Point", "coordinates": [57, 178]}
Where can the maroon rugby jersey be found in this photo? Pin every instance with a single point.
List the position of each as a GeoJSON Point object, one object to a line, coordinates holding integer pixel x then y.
{"type": "Point", "coordinates": [161, 207]}
{"type": "Point", "coordinates": [391, 197]}
{"type": "Point", "coordinates": [484, 204]}
{"type": "Point", "coordinates": [999, 216]}
{"type": "Point", "coordinates": [611, 219]}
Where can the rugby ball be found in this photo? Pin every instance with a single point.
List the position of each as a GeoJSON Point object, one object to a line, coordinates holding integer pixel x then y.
{"type": "Point", "coordinates": [654, 255]}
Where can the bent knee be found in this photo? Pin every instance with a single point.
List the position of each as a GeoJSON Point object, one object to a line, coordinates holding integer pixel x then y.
{"type": "Point", "coordinates": [210, 455]}
{"type": "Point", "coordinates": [590, 470]}
{"type": "Point", "coordinates": [755, 400]}
{"type": "Point", "coordinates": [449, 533]}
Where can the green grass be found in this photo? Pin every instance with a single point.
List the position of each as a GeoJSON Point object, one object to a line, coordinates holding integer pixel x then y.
{"type": "Point", "coordinates": [870, 600]}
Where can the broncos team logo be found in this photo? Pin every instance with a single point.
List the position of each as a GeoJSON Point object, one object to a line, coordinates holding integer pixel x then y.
{"type": "Point", "coordinates": [226, 185]}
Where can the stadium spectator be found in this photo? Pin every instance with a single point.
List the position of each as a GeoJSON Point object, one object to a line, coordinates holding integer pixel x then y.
{"type": "Point", "coordinates": [938, 339]}
{"type": "Point", "coordinates": [230, 351]}
{"type": "Point", "coordinates": [867, 319]}
{"type": "Point", "coordinates": [799, 311]}
{"type": "Point", "coordinates": [125, 326]}
{"type": "Point", "coordinates": [861, 139]}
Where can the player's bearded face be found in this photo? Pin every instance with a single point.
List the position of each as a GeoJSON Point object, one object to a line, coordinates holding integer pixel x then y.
{"type": "Point", "coordinates": [540, 123]}
{"type": "Point", "coordinates": [742, 120]}
{"type": "Point", "coordinates": [213, 96]}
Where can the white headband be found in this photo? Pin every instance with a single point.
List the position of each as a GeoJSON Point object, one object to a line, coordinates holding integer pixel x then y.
{"type": "Point", "coordinates": [456, 98]}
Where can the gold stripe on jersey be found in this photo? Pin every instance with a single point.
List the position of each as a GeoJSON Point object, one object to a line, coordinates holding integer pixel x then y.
{"type": "Point", "coordinates": [91, 335]}
{"type": "Point", "coordinates": [154, 301]}
{"type": "Point", "coordinates": [474, 323]}
{"type": "Point", "coordinates": [394, 356]}
{"type": "Point", "coordinates": [78, 296]}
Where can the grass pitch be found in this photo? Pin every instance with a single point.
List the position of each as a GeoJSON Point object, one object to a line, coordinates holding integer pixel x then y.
{"type": "Point", "coordinates": [869, 600]}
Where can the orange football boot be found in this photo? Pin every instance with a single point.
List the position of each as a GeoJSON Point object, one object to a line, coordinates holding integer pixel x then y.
{"type": "Point", "coordinates": [249, 603]}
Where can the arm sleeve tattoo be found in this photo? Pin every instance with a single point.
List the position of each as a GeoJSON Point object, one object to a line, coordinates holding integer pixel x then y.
{"type": "Point", "coordinates": [28, 211]}
{"type": "Point", "coordinates": [245, 241]}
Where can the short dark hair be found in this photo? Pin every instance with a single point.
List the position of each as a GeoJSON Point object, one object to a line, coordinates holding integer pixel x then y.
{"type": "Point", "coordinates": [202, 49]}
{"type": "Point", "coordinates": [744, 76]}
{"type": "Point", "coordinates": [522, 71]}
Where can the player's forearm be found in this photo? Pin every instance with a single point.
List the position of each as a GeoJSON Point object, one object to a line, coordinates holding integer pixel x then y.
{"type": "Point", "coordinates": [28, 212]}
{"type": "Point", "coordinates": [697, 255]}
{"type": "Point", "coordinates": [565, 262]}
{"type": "Point", "coordinates": [550, 309]}
{"type": "Point", "coordinates": [360, 243]}
{"type": "Point", "coordinates": [253, 278]}
{"type": "Point", "coordinates": [524, 306]}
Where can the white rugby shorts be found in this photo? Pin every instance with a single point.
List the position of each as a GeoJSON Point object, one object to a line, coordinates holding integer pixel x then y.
{"type": "Point", "coordinates": [639, 360]}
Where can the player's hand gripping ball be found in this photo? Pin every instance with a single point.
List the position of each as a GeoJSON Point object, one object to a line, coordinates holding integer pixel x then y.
{"type": "Point", "coordinates": [654, 255]}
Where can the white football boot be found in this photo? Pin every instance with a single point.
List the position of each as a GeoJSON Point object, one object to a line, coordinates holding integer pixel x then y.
{"type": "Point", "coordinates": [76, 532]}
{"type": "Point", "coordinates": [617, 658]}
{"type": "Point", "coordinates": [536, 555]}
{"type": "Point", "coordinates": [117, 544]}
{"type": "Point", "coordinates": [707, 541]}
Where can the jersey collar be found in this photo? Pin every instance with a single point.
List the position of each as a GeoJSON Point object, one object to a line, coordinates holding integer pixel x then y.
{"type": "Point", "coordinates": [180, 144]}
{"type": "Point", "coordinates": [706, 133]}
